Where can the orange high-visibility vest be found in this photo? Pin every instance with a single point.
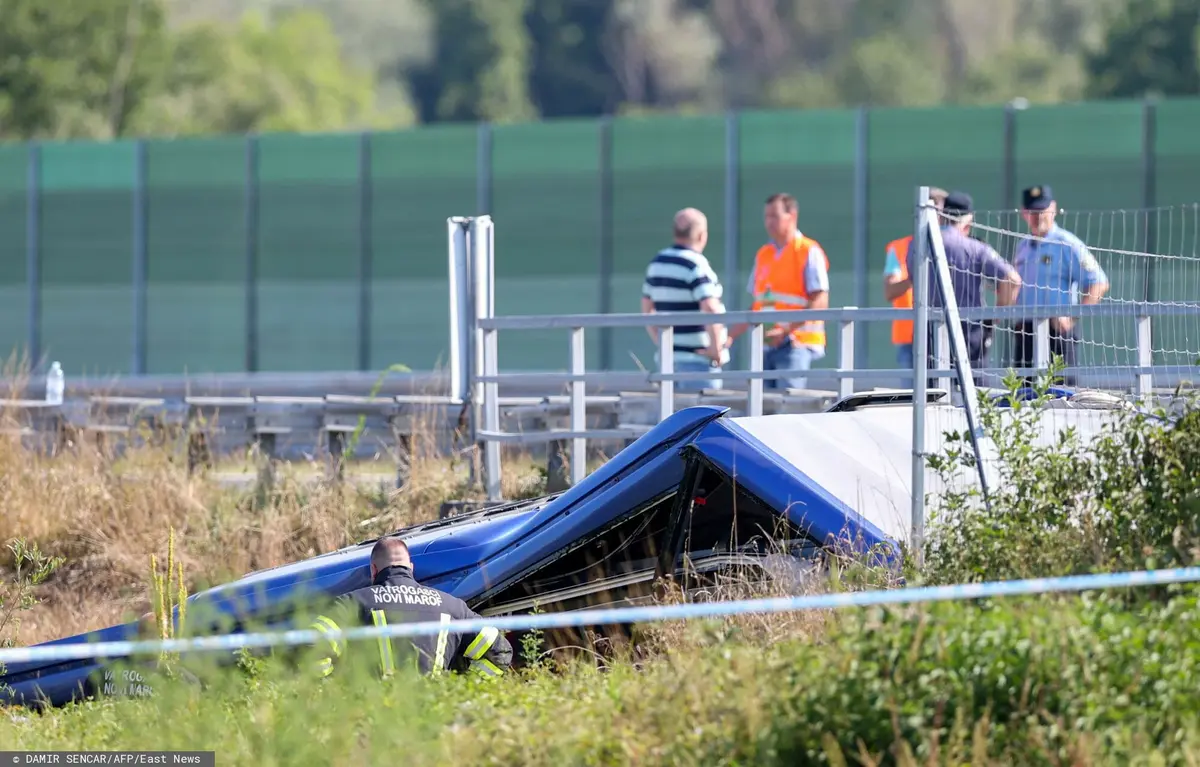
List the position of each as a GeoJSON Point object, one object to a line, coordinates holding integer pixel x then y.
{"type": "Point", "coordinates": [779, 284]}
{"type": "Point", "coordinates": [902, 330]}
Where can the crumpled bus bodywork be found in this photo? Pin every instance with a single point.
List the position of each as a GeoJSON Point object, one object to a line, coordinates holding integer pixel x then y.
{"type": "Point", "coordinates": [699, 493]}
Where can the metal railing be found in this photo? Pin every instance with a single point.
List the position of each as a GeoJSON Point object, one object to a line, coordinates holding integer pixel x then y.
{"type": "Point", "coordinates": [1139, 377]}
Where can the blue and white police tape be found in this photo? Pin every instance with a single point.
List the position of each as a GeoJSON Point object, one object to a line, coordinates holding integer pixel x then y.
{"type": "Point", "coordinates": [610, 616]}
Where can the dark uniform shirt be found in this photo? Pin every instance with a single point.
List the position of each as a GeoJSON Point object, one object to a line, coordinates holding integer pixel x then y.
{"type": "Point", "coordinates": [396, 597]}
{"type": "Point", "coordinates": [970, 262]}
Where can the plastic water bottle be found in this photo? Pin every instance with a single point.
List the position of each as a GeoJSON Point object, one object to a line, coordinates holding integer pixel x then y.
{"type": "Point", "coordinates": [55, 385]}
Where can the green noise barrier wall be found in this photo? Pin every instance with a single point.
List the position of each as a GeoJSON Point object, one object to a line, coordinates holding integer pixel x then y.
{"type": "Point", "coordinates": [328, 252]}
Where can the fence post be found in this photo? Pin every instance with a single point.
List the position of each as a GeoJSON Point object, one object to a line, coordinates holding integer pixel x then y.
{"type": "Point", "coordinates": [491, 415]}
{"type": "Point", "coordinates": [1150, 190]}
{"type": "Point", "coordinates": [33, 249]}
{"type": "Point", "coordinates": [607, 344]}
{"type": "Point", "coordinates": [666, 366]}
{"type": "Point", "coordinates": [483, 305]}
{"type": "Point", "coordinates": [1008, 173]}
{"type": "Point", "coordinates": [754, 401]}
{"type": "Point", "coordinates": [251, 254]}
{"type": "Point", "coordinates": [942, 353]}
{"type": "Point", "coordinates": [483, 169]}
{"type": "Point", "coordinates": [365, 250]}
{"type": "Point", "coordinates": [140, 258]}
{"type": "Point", "coordinates": [920, 279]}
{"type": "Point", "coordinates": [733, 177]}
{"type": "Point", "coordinates": [578, 412]}
{"type": "Point", "coordinates": [846, 355]}
{"type": "Point", "coordinates": [862, 213]}
{"type": "Point", "coordinates": [1145, 359]}
{"type": "Point", "coordinates": [1041, 344]}
{"type": "Point", "coordinates": [459, 272]}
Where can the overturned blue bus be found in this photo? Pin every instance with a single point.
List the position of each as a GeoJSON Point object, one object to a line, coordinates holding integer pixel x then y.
{"type": "Point", "coordinates": [700, 493]}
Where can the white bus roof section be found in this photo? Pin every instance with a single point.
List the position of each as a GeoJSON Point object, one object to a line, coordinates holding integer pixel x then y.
{"type": "Point", "coordinates": [864, 457]}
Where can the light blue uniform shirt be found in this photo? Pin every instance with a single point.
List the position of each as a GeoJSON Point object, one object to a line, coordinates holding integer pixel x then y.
{"type": "Point", "coordinates": [1056, 269]}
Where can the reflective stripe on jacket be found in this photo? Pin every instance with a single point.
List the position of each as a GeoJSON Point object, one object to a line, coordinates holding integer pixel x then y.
{"type": "Point", "coordinates": [395, 597]}
{"type": "Point", "coordinates": [779, 283]}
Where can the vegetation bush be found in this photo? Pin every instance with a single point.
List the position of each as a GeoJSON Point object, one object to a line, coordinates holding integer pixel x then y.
{"type": "Point", "coordinates": [1127, 499]}
{"type": "Point", "coordinates": [1077, 680]}
{"type": "Point", "coordinates": [1096, 678]}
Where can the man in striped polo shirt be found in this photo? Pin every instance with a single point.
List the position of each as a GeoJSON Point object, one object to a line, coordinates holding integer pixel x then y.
{"type": "Point", "coordinates": [679, 279]}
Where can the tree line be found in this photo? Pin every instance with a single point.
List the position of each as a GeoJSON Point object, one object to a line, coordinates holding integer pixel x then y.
{"type": "Point", "coordinates": [109, 68]}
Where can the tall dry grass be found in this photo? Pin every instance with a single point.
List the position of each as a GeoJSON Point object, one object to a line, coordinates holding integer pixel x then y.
{"type": "Point", "coordinates": [107, 514]}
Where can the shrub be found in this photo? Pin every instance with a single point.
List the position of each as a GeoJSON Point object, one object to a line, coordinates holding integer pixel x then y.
{"type": "Point", "coordinates": [17, 593]}
{"type": "Point", "coordinates": [1127, 499]}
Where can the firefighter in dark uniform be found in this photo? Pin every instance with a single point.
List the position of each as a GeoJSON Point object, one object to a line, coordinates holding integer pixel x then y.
{"type": "Point", "coordinates": [394, 596]}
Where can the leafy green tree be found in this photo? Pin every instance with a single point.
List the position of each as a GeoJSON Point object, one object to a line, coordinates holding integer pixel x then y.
{"type": "Point", "coordinates": [661, 53]}
{"type": "Point", "coordinates": [569, 76]}
{"type": "Point", "coordinates": [883, 70]}
{"type": "Point", "coordinates": [1027, 69]}
{"type": "Point", "coordinates": [262, 77]}
{"type": "Point", "coordinates": [78, 68]}
{"type": "Point", "coordinates": [1150, 49]}
{"type": "Point", "coordinates": [482, 62]}
{"type": "Point", "coordinates": [887, 70]}
{"type": "Point", "coordinates": [391, 38]}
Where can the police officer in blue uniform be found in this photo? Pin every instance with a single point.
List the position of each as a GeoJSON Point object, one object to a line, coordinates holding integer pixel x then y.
{"type": "Point", "coordinates": [1056, 269]}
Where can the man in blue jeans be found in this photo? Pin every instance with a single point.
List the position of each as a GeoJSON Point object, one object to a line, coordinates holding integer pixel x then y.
{"type": "Point", "coordinates": [680, 279]}
{"type": "Point", "coordinates": [791, 272]}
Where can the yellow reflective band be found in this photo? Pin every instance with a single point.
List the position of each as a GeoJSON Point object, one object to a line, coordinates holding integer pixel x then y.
{"type": "Point", "coordinates": [325, 666]}
{"type": "Point", "coordinates": [486, 668]}
{"type": "Point", "coordinates": [772, 296]}
{"type": "Point", "coordinates": [482, 642]}
{"type": "Point", "coordinates": [443, 635]}
{"type": "Point", "coordinates": [325, 625]}
{"type": "Point", "coordinates": [386, 661]}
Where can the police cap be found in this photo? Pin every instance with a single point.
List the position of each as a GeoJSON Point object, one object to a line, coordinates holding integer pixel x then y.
{"type": "Point", "coordinates": [1037, 198]}
{"type": "Point", "coordinates": [958, 204]}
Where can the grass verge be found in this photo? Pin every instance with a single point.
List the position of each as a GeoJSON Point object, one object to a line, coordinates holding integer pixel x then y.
{"type": "Point", "coordinates": [1044, 681]}
{"type": "Point", "coordinates": [105, 518]}
{"type": "Point", "coordinates": [1102, 678]}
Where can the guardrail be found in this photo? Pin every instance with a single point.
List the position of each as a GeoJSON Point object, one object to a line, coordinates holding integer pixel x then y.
{"type": "Point", "coordinates": [271, 427]}
{"type": "Point", "coordinates": [269, 422]}
{"type": "Point", "coordinates": [1139, 377]}
{"type": "Point", "coordinates": [213, 424]}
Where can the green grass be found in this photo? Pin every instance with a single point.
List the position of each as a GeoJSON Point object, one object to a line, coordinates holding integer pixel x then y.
{"type": "Point", "coordinates": [1078, 680]}
{"type": "Point", "coordinates": [1095, 679]}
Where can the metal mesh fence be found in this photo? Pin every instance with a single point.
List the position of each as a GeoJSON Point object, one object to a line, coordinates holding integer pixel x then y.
{"type": "Point", "coordinates": [308, 252]}
{"type": "Point", "coordinates": [418, 179]}
{"type": "Point", "coordinates": [14, 291]}
{"type": "Point", "coordinates": [545, 197]}
{"type": "Point", "coordinates": [86, 239]}
{"type": "Point", "coordinates": [329, 252]}
{"type": "Point", "coordinates": [659, 165]}
{"type": "Point", "coordinates": [811, 156]}
{"type": "Point", "coordinates": [196, 255]}
{"type": "Point", "coordinates": [952, 149]}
